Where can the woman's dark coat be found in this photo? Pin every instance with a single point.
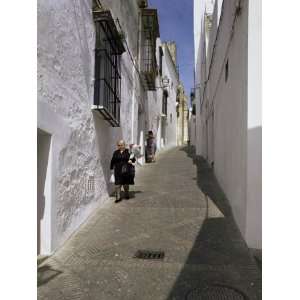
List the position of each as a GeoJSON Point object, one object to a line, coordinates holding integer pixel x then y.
{"type": "Point", "coordinates": [117, 162]}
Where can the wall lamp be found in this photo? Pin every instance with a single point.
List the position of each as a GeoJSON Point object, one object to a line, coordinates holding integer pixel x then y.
{"type": "Point", "coordinates": [164, 83]}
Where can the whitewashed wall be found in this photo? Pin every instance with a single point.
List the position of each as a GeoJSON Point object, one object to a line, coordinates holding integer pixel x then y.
{"type": "Point", "coordinates": [228, 129]}
{"type": "Point", "coordinates": [229, 102]}
{"type": "Point", "coordinates": [200, 42]}
{"type": "Point", "coordinates": [81, 141]}
{"type": "Point", "coordinates": [169, 70]}
{"type": "Point", "coordinates": [254, 130]}
{"type": "Point", "coordinates": [158, 124]}
{"type": "Point", "coordinates": [199, 8]}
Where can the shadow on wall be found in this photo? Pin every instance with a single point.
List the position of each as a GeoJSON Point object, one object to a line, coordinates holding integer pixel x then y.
{"type": "Point", "coordinates": [106, 140]}
{"type": "Point", "coordinates": [219, 256]}
{"type": "Point", "coordinates": [254, 210]}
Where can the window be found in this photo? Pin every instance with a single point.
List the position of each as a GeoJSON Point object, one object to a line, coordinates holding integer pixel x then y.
{"type": "Point", "coordinates": [165, 103]}
{"type": "Point", "coordinates": [226, 71]}
{"type": "Point", "coordinates": [194, 109]}
{"type": "Point", "coordinates": [161, 54]}
{"type": "Point", "coordinates": [170, 118]}
{"type": "Point", "coordinates": [109, 48]}
{"type": "Point", "coordinates": [150, 30]}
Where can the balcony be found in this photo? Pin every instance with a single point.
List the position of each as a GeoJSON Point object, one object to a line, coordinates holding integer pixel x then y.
{"type": "Point", "coordinates": [150, 30]}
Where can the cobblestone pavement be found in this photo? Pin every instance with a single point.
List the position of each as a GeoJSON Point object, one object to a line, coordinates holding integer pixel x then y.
{"type": "Point", "coordinates": [176, 207]}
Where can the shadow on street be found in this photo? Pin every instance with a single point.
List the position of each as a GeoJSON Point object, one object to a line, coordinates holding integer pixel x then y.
{"type": "Point", "coordinates": [45, 274]}
{"type": "Point", "coordinates": [219, 262]}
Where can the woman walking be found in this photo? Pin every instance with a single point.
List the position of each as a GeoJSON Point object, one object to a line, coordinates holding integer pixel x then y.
{"type": "Point", "coordinates": [123, 168]}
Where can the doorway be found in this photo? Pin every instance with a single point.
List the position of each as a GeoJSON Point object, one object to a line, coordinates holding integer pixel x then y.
{"type": "Point", "coordinates": [43, 192]}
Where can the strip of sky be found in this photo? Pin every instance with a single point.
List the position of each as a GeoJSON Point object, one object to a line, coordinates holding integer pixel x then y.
{"type": "Point", "coordinates": [176, 24]}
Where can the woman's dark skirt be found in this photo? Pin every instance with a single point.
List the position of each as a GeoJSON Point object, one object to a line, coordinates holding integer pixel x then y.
{"type": "Point", "coordinates": [124, 179]}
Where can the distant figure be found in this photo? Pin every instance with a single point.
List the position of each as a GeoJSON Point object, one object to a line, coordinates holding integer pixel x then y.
{"type": "Point", "coordinates": [150, 147]}
{"type": "Point", "coordinates": [123, 167]}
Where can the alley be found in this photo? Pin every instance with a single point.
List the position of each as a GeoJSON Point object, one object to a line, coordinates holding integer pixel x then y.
{"type": "Point", "coordinates": [177, 207]}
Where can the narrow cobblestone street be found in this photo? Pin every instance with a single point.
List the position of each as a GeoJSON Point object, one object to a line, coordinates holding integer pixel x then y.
{"type": "Point", "coordinates": [176, 206]}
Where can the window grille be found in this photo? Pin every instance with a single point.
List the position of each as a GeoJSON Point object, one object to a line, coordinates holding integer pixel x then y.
{"type": "Point", "coordinates": [109, 48]}
{"type": "Point", "coordinates": [150, 30]}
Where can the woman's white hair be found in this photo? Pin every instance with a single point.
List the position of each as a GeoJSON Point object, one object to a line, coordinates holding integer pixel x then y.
{"type": "Point", "coordinates": [121, 142]}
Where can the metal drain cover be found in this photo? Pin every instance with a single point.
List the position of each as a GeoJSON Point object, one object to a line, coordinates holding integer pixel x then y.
{"type": "Point", "coordinates": [215, 292]}
{"type": "Point", "coordinates": [149, 254]}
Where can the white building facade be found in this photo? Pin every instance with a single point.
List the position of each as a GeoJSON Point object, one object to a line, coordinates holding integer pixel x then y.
{"type": "Point", "coordinates": [228, 103]}
{"type": "Point", "coordinates": [92, 93]}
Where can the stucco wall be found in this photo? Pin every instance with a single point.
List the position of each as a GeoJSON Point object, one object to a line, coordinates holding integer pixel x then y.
{"type": "Point", "coordinates": [254, 131]}
{"type": "Point", "coordinates": [230, 110]}
{"type": "Point", "coordinates": [229, 124]}
{"type": "Point", "coordinates": [169, 70]}
{"type": "Point", "coordinates": [82, 142]}
{"type": "Point", "coordinates": [200, 70]}
{"type": "Point", "coordinates": [162, 127]}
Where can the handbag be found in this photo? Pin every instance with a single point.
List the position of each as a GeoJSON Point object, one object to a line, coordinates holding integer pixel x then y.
{"type": "Point", "coordinates": [132, 170]}
{"type": "Point", "coordinates": [124, 169]}
{"type": "Point", "coordinates": [128, 170]}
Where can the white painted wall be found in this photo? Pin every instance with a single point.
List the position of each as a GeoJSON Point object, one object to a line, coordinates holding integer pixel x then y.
{"type": "Point", "coordinates": [169, 70]}
{"type": "Point", "coordinates": [82, 142]}
{"type": "Point", "coordinates": [230, 111]}
{"type": "Point", "coordinates": [254, 132]}
{"type": "Point", "coordinates": [163, 128]}
{"type": "Point", "coordinates": [228, 128]}
{"type": "Point", "coordinates": [199, 42]}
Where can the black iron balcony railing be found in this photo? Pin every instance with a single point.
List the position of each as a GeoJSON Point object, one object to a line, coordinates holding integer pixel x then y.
{"type": "Point", "coordinates": [150, 30]}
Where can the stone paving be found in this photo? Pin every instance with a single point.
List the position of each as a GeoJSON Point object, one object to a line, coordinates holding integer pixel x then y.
{"type": "Point", "coordinates": [176, 206]}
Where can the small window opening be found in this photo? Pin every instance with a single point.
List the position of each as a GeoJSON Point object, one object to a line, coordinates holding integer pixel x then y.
{"type": "Point", "coordinates": [161, 53]}
{"type": "Point", "coordinates": [165, 103]}
{"type": "Point", "coordinates": [226, 71]}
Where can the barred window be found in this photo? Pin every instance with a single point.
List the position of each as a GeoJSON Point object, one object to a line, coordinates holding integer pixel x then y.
{"type": "Point", "coordinates": [109, 48]}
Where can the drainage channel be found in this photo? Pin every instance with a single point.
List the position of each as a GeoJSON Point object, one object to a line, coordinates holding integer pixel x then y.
{"type": "Point", "coordinates": [150, 254]}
